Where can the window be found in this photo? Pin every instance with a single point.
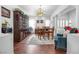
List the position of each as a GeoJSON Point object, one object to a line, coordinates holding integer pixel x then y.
{"type": "Point", "coordinates": [58, 23]}
{"type": "Point", "coordinates": [63, 23]}
{"type": "Point", "coordinates": [47, 22]}
{"type": "Point", "coordinates": [41, 21]}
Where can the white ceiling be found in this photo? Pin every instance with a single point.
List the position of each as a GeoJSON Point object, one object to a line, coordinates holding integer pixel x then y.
{"type": "Point", "coordinates": [31, 9]}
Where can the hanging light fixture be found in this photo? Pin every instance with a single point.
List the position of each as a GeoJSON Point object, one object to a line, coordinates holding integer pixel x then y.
{"type": "Point", "coordinates": [40, 11]}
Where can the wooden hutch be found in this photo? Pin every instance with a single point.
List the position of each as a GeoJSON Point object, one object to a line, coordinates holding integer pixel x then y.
{"type": "Point", "coordinates": [20, 25]}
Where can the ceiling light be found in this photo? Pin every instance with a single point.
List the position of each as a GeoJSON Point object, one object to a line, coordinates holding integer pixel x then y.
{"type": "Point", "coordinates": [40, 11]}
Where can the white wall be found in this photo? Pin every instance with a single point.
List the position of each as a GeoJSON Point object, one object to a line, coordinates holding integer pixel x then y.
{"type": "Point", "coordinates": [6, 40]}
{"type": "Point", "coordinates": [72, 15]}
{"type": "Point", "coordinates": [40, 25]}
{"type": "Point", "coordinates": [32, 23]}
{"type": "Point", "coordinates": [0, 19]}
{"type": "Point", "coordinates": [77, 15]}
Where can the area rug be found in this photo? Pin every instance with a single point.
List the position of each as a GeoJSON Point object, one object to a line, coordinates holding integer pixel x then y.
{"type": "Point", "coordinates": [34, 41]}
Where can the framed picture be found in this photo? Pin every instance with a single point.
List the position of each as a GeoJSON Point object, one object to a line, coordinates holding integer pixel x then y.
{"type": "Point", "coordinates": [5, 12]}
{"type": "Point", "coordinates": [37, 21]}
{"type": "Point", "coordinates": [41, 21]}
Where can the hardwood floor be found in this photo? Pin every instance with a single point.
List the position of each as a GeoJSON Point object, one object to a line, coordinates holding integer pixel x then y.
{"type": "Point", "coordinates": [24, 48]}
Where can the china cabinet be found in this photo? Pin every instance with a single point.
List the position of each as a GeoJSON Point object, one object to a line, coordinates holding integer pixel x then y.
{"type": "Point", "coordinates": [20, 25]}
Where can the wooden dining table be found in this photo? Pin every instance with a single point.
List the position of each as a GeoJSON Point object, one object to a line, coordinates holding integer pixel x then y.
{"type": "Point", "coordinates": [44, 32]}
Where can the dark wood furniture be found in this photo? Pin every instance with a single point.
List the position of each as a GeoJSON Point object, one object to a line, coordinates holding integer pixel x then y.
{"type": "Point", "coordinates": [45, 31]}
{"type": "Point", "coordinates": [20, 26]}
{"type": "Point", "coordinates": [50, 33]}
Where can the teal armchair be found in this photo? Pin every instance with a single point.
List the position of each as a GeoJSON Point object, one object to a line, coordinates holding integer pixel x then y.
{"type": "Point", "coordinates": [60, 42]}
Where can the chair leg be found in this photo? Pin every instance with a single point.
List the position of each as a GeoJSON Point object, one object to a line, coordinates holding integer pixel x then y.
{"type": "Point", "coordinates": [55, 44]}
{"type": "Point", "coordinates": [43, 37]}
{"type": "Point", "coordinates": [55, 47]}
{"type": "Point", "coordinates": [40, 37]}
{"type": "Point", "coordinates": [48, 36]}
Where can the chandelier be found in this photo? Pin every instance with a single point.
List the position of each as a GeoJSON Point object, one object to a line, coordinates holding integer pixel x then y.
{"type": "Point", "coordinates": [40, 11]}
